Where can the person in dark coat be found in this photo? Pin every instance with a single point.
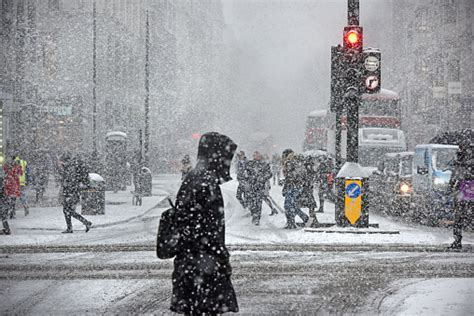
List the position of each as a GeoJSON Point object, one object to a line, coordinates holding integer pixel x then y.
{"type": "Point", "coordinates": [73, 175]}
{"type": "Point", "coordinates": [324, 187]}
{"type": "Point", "coordinates": [202, 271]}
{"type": "Point", "coordinates": [5, 205]}
{"type": "Point", "coordinates": [242, 190]}
{"type": "Point", "coordinates": [462, 186]}
{"type": "Point", "coordinates": [294, 173]}
{"type": "Point", "coordinates": [258, 174]}
{"type": "Point", "coordinates": [307, 193]}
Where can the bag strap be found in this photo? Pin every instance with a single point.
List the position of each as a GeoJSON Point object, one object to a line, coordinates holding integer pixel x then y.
{"type": "Point", "coordinates": [171, 203]}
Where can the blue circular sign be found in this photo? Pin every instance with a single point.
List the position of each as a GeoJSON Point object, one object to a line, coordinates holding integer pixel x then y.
{"type": "Point", "coordinates": [353, 190]}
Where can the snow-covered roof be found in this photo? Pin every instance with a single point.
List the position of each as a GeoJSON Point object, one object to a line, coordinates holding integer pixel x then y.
{"type": "Point", "coordinates": [116, 135]}
{"type": "Point", "coordinates": [318, 113]}
{"type": "Point", "coordinates": [383, 94]}
{"type": "Point", "coordinates": [316, 153]}
{"type": "Point", "coordinates": [400, 154]}
{"type": "Point", "coordinates": [94, 177]}
{"type": "Point", "coordinates": [437, 146]}
{"type": "Point", "coordinates": [353, 170]}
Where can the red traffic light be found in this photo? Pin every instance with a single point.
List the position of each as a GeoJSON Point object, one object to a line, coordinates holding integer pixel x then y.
{"type": "Point", "coordinates": [353, 37]}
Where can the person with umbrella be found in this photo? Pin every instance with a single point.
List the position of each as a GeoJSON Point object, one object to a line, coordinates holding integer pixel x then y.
{"type": "Point", "coordinates": [462, 187]}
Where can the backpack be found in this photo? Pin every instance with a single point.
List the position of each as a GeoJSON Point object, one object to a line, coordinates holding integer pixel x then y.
{"type": "Point", "coordinates": [167, 241]}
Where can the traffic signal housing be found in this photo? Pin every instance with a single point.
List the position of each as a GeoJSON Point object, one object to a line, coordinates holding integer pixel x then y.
{"type": "Point", "coordinates": [372, 76]}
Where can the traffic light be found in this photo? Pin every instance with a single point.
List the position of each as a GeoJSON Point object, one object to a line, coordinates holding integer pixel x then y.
{"type": "Point", "coordinates": [372, 77]}
{"type": "Point", "coordinates": [353, 38]}
{"type": "Point", "coordinates": [352, 74]}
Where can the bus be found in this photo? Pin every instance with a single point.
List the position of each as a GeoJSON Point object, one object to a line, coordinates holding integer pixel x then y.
{"type": "Point", "coordinates": [379, 128]}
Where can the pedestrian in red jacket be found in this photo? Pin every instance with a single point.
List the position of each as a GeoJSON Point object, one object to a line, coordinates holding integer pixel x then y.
{"type": "Point", "coordinates": [12, 190]}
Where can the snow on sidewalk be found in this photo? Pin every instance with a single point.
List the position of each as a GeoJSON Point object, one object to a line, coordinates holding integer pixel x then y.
{"type": "Point", "coordinates": [43, 224]}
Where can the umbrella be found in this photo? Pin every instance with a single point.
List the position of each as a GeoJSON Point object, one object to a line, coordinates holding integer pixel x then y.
{"type": "Point", "coordinates": [461, 137]}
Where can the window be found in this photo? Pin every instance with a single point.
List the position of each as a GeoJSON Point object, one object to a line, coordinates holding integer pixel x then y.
{"type": "Point", "coordinates": [453, 70]}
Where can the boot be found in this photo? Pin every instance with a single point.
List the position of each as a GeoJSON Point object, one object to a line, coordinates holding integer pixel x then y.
{"type": "Point", "coordinates": [88, 226]}
{"type": "Point", "coordinates": [67, 231]}
{"type": "Point", "coordinates": [27, 210]}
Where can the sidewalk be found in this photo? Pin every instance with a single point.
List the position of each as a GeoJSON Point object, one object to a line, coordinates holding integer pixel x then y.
{"type": "Point", "coordinates": [46, 221]}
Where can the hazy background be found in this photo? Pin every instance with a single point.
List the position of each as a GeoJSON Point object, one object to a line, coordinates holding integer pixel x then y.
{"type": "Point", "coordinates": [282, 49]}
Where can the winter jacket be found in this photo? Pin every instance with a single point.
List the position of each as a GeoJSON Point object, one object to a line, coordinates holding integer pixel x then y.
{"type": "Point", "coordinates": [258, 173]}
{"type": "Point", "coordinates": [74, 176]}
{"type": "Point", "coordinates": [294, 172]}
{"type": "Point", "coordinates": [12, 179]}
{"type": "Point", "coordinates": [201, 276]}
{"type": "Point", "coordinates": [241, 174]}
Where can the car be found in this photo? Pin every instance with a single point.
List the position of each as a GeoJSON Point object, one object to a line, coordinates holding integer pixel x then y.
{"type": "Point", "coordinates": [432, 164]}
{"type": "Point", "coordinates": [391, 189]}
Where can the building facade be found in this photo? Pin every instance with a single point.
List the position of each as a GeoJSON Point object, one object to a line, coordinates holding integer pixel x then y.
{"type": "Point", "coordinates": [433, 61]}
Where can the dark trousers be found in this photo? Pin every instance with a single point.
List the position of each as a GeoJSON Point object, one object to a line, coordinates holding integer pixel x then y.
{"type": "Point", "coordinates": [69, 210]}
{"type": "Point", "coordinates": [292, 208]}
{"type": "Point", "coordinates": [9, 203]}
{"type": "Point", "coordinates": [255, 198]}
{"type": "Point", "coordinates": [462, 218]}
{"type": "Point", "coordinates": [242, 195]}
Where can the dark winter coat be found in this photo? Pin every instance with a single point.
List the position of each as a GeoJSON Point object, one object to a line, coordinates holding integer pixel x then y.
{"type": "Point", "coordinates": [74, 175]}
{"type": "Point", "coordinates": [258, 173]}
{"type": "Point", "coordinates": [201, 276]}
{"type": "Point", "coordinates": [294, 172]}
{"type": "Point", "coordinates": [241, 174]}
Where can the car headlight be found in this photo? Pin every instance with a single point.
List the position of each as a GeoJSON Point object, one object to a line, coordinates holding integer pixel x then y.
{"type": "Point", "coordinates": [439, 181]}
{"type": "Point", "coordinates": [405, 188]}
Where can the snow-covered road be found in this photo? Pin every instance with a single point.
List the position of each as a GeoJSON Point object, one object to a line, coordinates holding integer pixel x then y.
{"type": "Point", "coordinates": [113, 268]}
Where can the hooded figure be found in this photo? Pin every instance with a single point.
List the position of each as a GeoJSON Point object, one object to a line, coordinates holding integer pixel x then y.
{"type": "Point", "coordinates": [201, 276]}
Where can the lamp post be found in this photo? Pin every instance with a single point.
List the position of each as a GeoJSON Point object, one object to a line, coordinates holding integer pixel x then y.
{"type": "Point", "coordinates": [94, 81]}
{"type": "Point", "coordinates": [147, 90]}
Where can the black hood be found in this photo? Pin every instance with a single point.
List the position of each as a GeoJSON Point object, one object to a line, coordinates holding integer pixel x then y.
{"type": "Point", "coordinates": [215, 154]}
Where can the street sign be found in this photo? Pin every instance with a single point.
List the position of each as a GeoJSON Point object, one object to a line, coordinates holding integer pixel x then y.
{"type": "Point", "coordinates": [371, 63]}
{"type": "Point", "coordinates": [372, 77]}
{"type": "Point", "coordinates": [372, 82]}
{"type": "Point", "coordinates": [454, 87]}
{"type": "Point", "coordinates": [439, 92]}
{"type": "Point", "coordinates": [353, 200]}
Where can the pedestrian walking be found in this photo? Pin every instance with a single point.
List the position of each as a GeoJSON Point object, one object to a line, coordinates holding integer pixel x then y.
{"type": "Point", "coordinates": [24, 179]}
{"type": "Point", "coordinates": [276, 168]}
{"type": "Point", "coordinates": [307, 194]}
{"type": "Point", "coordinates": [202, 271]}
{"type": "Point", "coordinates": [5, 205]}
{"type": "Point", "coordinates": [324, 173]}
{"type": "Point", "coordinates": [258, 174]}
{"type": "Point", "coordinates": [242, 190]}
{"type": "Point", "coordinates": [12, 189]}
{"type": "Point", "coordinates": [73, 176]}
{"type": "Point", "coordinates": [293, 172]}
{"type": "Point", "coordinates": [462, 187]}
{"type": "Point", "coordinates": [39, 176]}
{"type": "Point", "coordinates": [186, 166]}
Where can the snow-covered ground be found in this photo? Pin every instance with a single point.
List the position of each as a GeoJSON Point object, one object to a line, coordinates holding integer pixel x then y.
{"type": "Point", "coordinates": [240, 230]}
{"type": "Point", "coordinates": [44, 224]}
{"type": "Point", "coordinates": [444, 296]}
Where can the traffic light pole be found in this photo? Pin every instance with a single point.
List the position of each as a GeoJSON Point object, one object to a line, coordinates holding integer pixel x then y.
{"type": "Point", "coordinates": [353, 101]}
{"type": "Point", "coordinates": [352, 12]}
